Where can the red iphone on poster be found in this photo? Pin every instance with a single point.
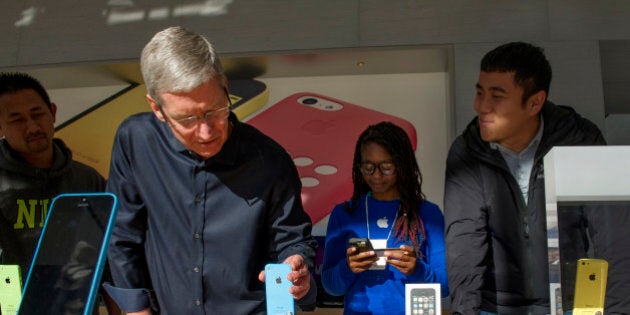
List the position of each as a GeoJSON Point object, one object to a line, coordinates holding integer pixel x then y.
{"type": "Point", "coordinates": [320, 134]}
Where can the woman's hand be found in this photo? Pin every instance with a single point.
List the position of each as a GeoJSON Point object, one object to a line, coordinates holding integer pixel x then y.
{"type": "Point", "coordinates": [359, 261]}
{"type": "Point", "coordinates": [404, 260]}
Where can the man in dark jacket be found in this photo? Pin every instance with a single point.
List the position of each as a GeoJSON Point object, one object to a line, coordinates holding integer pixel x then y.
{"type": "Point", "coordinates": [494, 200]}
{"type": "Point", "coordinates": [34, 168]}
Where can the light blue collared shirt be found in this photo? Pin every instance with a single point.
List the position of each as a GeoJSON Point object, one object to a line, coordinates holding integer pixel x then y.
{"type": "Point", "coordinates": [520, 164]}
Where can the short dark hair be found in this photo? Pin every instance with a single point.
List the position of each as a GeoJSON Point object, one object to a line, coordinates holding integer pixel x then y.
{"type": "Point", "coordinates": [531, 68]}
{"type": "Point", "coordinates": [11, 82]}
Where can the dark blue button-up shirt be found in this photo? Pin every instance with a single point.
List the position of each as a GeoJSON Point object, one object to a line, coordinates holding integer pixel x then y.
{"type": "Point", "coordinates": [192, 235]}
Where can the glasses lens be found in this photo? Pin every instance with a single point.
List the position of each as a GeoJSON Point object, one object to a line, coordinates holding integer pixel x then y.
{"type": "Point", "coordinates": [188, 122]}
{"type": "Point", "coordinates": [386, 168]}
{"type": "Point", "coordinates": [210, 117]}
{"type": "Point", "coordinates": [367, 168]}
{"type": "Point", "coordinates": [217, 115]}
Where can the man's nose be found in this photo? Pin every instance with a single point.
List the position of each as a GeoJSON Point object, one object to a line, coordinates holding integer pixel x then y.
{"type": "Point", "coordinates": [205, 129]}
{"type": "Point", "coordinates": [32, 124]}
{"type": "Point", "coordinates": [482, 104]}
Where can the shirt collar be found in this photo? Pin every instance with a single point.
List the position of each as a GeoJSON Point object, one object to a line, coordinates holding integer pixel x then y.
{"type": "Point", "coordinates": [230, 150]}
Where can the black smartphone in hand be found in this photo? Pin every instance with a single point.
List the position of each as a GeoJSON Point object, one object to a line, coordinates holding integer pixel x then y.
{"type": "Point", "coordinates": [361, 243]}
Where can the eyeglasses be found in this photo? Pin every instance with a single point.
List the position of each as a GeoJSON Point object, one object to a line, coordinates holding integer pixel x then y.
{"type": "Point", "coordinates": [209, 117]}
{"type": "Point", "coordinates": [368, 168]}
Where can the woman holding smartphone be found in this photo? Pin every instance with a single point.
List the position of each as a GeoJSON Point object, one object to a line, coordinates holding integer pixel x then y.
{"type": "Point", "coordinates": [388, 208]}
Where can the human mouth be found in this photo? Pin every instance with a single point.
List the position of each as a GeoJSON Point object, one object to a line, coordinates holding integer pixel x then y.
{"type": "Point", "coordinates": [209, 142]}
{"type": "Point", "coordinates": [36, 137]}
{"type": "Point", "coordinates": [376, 185]}
{"type": "Point", "coordinates": [484, 120]}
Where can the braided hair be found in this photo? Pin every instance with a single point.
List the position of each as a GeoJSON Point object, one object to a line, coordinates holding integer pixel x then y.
{"type": "Point", "coordinates": [408, 178]}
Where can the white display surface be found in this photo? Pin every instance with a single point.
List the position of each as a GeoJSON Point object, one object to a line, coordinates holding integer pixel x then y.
{"type": "Point", "coordinates": [587, 173]}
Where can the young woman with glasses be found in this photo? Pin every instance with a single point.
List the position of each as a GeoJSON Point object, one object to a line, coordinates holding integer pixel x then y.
{"type": "Point", "coordinates": [388, 208]}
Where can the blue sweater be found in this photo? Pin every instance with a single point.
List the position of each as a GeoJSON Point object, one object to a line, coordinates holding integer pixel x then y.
{"type": "Point", "coordinates": [380, 291]}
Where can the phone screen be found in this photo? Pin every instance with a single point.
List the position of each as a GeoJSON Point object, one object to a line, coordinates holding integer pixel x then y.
{"type": "Point", "coordinates": [423, 301]}
{"type": "Point", "coordinates": [362, 244]}
{"type": "Point", "coordinates": [66, 269]}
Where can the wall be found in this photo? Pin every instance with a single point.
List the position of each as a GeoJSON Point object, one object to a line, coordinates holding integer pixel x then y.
{"type": "Point", "coordinates": [617, 129]}
{"type": "Point", "coordinates": [42, 33]}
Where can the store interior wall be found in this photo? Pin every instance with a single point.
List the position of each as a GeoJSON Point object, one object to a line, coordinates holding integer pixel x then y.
{"type": "Point", "coordinates": [41, 33]}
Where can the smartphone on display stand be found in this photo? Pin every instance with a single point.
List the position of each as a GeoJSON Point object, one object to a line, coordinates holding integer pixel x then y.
{"type": "Point", "coordinates": [10, 289]}
{"type": "Point", "coordinates": [279, 299]}
{"type": "Point", "coordinates": [590, 286]}
{"type": "Point", "coordinates": [423, 299]}
{"type": "Point", "coordinates": [65, 273]}
{"type": "Point", "coordinates": [556, 298]}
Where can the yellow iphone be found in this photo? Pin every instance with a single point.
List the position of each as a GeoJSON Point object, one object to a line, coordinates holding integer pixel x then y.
{"type": "Point", "coordinates": [590, 286]}
{"type": "Point", "coordinates": [10, 289]}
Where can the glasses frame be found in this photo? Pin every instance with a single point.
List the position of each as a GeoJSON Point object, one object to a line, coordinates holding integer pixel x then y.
{"type": "Point", "coordinates": [384, 171]}
{"type": "Point", "coordinates": [192, 122]}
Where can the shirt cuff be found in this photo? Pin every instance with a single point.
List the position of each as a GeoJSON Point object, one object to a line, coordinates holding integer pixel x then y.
{"type": "Point", "coordinates": [131, 300]}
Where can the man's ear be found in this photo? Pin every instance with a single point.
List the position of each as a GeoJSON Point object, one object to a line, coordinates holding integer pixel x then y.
{"type": "Point", "coordinates": [536, 102]}
{"type": "Point", "coordinates": [226, 88]}
{"type": "Point", "coordinates": [155, 108]}
{"type": "Point", "coordinates": [53, 111]}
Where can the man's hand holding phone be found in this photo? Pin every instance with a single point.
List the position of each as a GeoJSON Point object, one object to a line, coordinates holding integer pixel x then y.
{"type": "Point", "coordinates": [299, 276]}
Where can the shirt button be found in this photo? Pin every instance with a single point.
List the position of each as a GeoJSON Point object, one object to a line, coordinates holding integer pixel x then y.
{"type": "Point", "coordinates": [196, 269]}
{"type": "Point", "coordinates": [197, 236]}
{"type": "Point", "coordinates": [197, 200]}
{"type": "Point", "coordinates": [197, 302]}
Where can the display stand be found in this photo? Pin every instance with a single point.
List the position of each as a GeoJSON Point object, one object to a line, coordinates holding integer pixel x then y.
{"type": "Point", "coordinates": [594, 180]}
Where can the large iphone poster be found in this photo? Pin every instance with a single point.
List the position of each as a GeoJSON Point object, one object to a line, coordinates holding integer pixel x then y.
{"type": "Point", "coordinates": [315, 106]}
